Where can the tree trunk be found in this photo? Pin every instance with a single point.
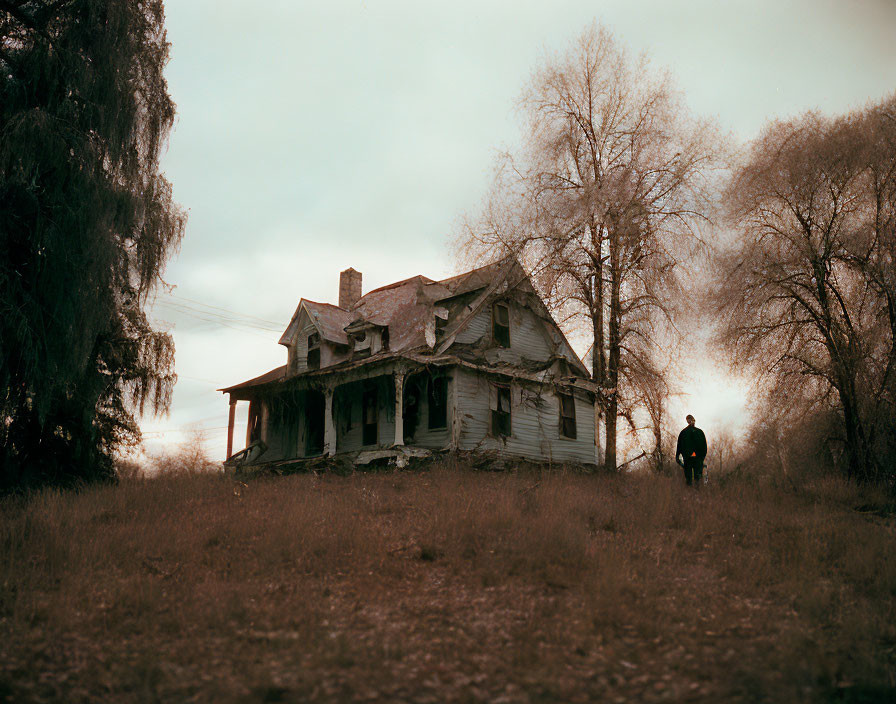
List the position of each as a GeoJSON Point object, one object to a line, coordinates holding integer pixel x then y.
{"type": "Point", "coordinates": [658, 436]}
{"type": "Point", "coordinates": [611, 383]}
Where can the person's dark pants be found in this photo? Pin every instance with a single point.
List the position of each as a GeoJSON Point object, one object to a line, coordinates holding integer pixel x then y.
{"type": "Point", "coordinates": [693, 471]}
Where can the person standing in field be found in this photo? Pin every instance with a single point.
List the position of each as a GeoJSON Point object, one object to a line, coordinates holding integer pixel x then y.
{"type": "Point", "coordinates": [691, 451]}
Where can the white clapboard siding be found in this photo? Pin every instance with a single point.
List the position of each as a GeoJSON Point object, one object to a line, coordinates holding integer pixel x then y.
{"type": "Point", "coordinates": [300, 350]}
{"type": "Point", "coordinates": [480, 326]}
{"type": "Point", "coordinates": [535, 422]}
{"type": "Point", "coordinates": [527, 336]}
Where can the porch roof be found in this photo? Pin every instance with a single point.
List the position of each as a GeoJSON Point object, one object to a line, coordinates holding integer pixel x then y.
{"type": "Point", "coordinates": [277, 377]}
{"type": "Point", "coordinates": [267, 377]}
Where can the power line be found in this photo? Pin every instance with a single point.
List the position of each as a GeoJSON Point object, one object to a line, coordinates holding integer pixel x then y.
{"type": "Point", "coordinates": [212, 317]}
{"type": "Point", "coordinates": [263, 321]}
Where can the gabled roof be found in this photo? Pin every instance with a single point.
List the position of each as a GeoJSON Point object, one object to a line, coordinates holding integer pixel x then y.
{"type": "Point", "coordinates": [406, 308]}
{"type": "Point", "coordinates": [329, 320]}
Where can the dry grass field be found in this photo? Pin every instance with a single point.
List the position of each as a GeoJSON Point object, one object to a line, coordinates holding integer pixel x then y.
{"type": "Point", "coordinates": [447, 586]}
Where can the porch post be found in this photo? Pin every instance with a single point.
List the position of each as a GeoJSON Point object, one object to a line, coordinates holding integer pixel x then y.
{"type": "Point", "coordinates": [230, 421]}
{"type": "Point", "coordinates": [399, 407]}
{"type": "Point", "coordinates": [453, 414]}
{"type": "Point", "coordinates": [329, 425]}
{"type": "Point", "coordinates": [253, 413]}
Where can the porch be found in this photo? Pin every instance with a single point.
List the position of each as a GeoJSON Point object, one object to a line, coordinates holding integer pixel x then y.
{"type": "Point", "coordinates": [355, 411]}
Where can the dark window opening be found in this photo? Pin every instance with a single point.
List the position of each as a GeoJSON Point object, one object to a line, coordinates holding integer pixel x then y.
{"type": "Point", "coordinates": [438, 402]}
{"type": "Point", "coordinates": [315, 408]}
{"type": "Point", "coordinates": [501, 412]}
{"type": "Point", "coordinates": [344, 410]}
{"type": "Point", "coordinates": [567, 416]}
{"type": "Point", "coordinates": [385, 338]}
{"type": "Point", "coordinates": [369, 416]}
{"type": "Point", "coordinates": [313, 351]}
{"type": "Point", "coordinates": [413, 388]}
{"type": "Point", "coordinates": [501, 324]}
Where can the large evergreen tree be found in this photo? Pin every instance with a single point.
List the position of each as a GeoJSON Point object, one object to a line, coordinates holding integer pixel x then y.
{"type": "Point", "coordinates": [86, 225]}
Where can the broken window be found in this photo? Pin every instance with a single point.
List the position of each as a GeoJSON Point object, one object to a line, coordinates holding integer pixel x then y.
{"type": "Point", "coordinates": [567, 416]}
{"type": "Point", "coordinates": [313, 351]}
{"type": "Point", "coordinates": [501, 324]}
{"type": "Point", "coordinates": [369, 416]}
{"type": "Point", "coordinates": [501, 412]}
{"type": "Point", "coordinates": [438, 402]}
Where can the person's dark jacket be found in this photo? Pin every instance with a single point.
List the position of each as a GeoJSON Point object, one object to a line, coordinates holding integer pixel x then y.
{"type": "Point", "coordinates": [691, 445]}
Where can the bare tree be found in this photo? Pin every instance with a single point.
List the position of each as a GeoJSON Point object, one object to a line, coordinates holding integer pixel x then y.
{"type": "Point", "coordinates": [603, 203]}
{"type": "Point", "coordinates": [809, 288]}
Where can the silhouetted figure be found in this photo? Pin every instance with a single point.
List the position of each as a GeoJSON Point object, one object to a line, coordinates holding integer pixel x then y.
{"type": "Point", "coordinates": [691, 451]}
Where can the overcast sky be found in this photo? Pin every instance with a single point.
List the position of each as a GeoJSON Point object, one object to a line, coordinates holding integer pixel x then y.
{"type": "Point", "coordinates": [314, 136]}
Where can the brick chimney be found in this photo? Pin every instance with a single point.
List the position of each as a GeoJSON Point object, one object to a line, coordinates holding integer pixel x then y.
{"type": "Point", "coordinates": [349, 288]}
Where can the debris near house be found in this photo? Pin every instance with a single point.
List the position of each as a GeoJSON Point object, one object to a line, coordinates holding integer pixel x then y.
{"type": "Point", "coordinates": [471, 364]}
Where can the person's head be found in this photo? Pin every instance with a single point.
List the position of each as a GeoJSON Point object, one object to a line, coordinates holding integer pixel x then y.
{"type": "Point", "coordinates": [690, 419]}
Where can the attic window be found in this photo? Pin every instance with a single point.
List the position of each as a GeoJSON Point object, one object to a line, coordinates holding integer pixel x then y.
{"type": "Point", "coordinates": [384, 338]}
{"type": "Point", "coordinates": [438, 402]}
{"type": "Point", "coordinates": [501, 324]}
{"type": "Point", "coordinates": [313, 351]}
{"type": "Point", "coordinates": [501, 412]}
{"type": "Point", "coordinates": [567, 416]}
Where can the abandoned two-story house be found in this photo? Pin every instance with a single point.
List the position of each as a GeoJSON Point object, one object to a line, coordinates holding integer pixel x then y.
{"type": "Point", "coordinates": [470, 363]}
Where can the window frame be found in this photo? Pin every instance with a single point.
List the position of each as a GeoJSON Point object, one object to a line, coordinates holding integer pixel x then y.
{"type": "Point", "coordinates": [567, 419]}
{"type": "Point", "coordinates": [314, 345]}
{"type": "Point", "coordinates": [500, 418]}
{"type": "Point", "coordinates": [501, 331]}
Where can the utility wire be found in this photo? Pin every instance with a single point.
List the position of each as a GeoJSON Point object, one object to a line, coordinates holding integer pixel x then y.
{"type": "Point", "coordinates": [212, 317]}
{"type": "Point", "coordinates": [226, 310]}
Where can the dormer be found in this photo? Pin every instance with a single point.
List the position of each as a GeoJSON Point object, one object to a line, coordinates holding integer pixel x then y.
{"type": "Point", "coordinates": [366, 338]}
{"type": "Point", "coordinates": [315, 338]}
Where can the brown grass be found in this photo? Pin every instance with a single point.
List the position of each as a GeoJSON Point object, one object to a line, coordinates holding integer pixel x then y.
{"type": "Point", "coordinates": [447, 586]}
